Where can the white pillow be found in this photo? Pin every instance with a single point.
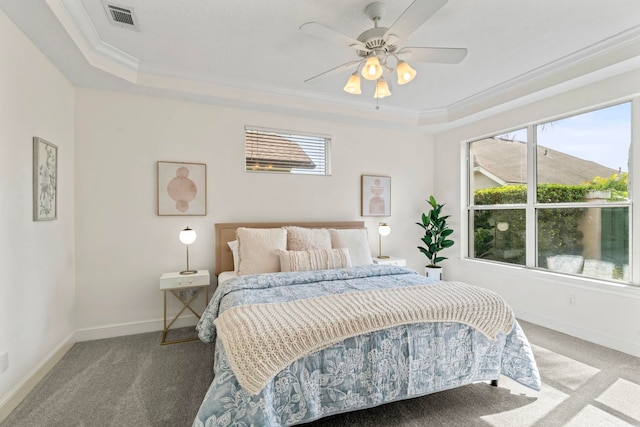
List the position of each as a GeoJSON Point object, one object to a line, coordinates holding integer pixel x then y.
{"type": "Point", "coordinates": [356, 240]}
{"type": "Point", "coordinates": [234, 253]}
{"type": "Point", "coordinates": [306, 239]}
{"type": "Point", "coordinates": [320, 259]}
{"type": "Point", "coordinates": [258, 249]}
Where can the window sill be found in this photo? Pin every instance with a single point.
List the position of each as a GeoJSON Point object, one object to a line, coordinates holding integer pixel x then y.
{"type": "Point", "coordinates": [582, 282]}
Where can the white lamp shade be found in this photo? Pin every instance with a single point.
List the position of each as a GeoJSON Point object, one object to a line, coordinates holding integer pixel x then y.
{"type": "Point", "coordinates": [405, 73]}
{"type": "Point", "coordinates": [187, 236]}
{"type": "Point", "coordinates": [382, 89]}
{"type": "Point", "coordinates": [353, 85]}
{"type": "Point", "coordinates": [372, 69]}
{"type": "Point", "coordinates": [384, 229]}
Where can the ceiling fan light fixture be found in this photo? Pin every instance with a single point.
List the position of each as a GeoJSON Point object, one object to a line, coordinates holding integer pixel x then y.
{"type": "Point", "coordinates": [372, 69]}
{"type": "Point", "coordinates": [382, 89]}
{"type": "Point", "coordinates": [405, 72]}
{"type": "Point", "coordinates": [353, 85]}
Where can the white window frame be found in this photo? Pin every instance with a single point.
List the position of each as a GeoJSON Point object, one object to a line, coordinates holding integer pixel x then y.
{"type": "Point", "coordinates": [319, 146]}
{"type": "Point", "coordinates": [532, 206]}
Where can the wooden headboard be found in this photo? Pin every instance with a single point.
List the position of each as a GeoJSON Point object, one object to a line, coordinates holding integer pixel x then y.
{"type": "Point", "coordinates": [226, 232]}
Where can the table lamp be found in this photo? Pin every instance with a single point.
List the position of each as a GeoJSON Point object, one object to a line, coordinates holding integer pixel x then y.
{"type": "Point", "coordinates": [383, 230]}
{"type": "Point", "coordinates": [188, 236]}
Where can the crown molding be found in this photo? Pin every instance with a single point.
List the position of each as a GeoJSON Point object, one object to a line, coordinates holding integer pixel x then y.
{"type": "Point", "coordinates": [611, 56]}
{"type": "Point", "coordinates": [600, 60]}
{"type": "Point", "coordinates": [74, 19]}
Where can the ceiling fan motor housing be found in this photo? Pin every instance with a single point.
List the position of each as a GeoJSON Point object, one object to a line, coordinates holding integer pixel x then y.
{"type": "Point", "coordinates": [372, 39]}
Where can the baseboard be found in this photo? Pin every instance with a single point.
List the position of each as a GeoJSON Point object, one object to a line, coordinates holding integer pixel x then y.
{"type": "Point", "coordinates": [121, 329]}
{"type": "Point", "coordinates": [20, 391]}
{"type": "Point", "coordinates": [578, 332]}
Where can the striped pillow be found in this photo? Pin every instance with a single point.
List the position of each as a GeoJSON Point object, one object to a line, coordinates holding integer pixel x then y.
{"type": "Point", "coordinates": [320, 259]}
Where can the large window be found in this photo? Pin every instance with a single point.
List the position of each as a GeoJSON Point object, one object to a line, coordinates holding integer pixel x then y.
{"type": "Point", "coordinates": [555, 195]}
{"type": "Point", "coordinates": [270, 150]}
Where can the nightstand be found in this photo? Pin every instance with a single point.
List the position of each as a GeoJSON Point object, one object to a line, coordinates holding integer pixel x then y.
{"type": "Point", "coordinates": [174, 283]}
{"type": "Point", "coordinates": [390, 261]}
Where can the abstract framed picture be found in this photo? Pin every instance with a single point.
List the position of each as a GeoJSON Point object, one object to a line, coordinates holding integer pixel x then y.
{"type": "Point", "coordinates": [376, 195]}
{"type": "Point", "coordinates": [182, 189]}
{"type": "Point", "coordinates": [45, 180]}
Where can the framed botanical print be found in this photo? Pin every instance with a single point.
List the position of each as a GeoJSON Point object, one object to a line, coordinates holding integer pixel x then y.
{"type": "Point", "coordinates": [45, 180]}
{"type": "Point", "coordinates": [182, 188]}
{"type": "Point", "coordinates": [375, 195]}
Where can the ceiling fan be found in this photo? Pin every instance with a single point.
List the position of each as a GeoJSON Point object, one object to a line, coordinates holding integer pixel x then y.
{"type": "Point", "coordinates": [377, 47]}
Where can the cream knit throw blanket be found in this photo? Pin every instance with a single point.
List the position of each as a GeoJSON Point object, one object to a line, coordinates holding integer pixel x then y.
{"type": "Point", "coordinates": [262, 339]}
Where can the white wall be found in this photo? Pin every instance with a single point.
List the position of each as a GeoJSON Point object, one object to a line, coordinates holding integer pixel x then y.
{"type": "Point", "coordinates": [37, 302]}
{"type": "Point", "coordinates": [123, 246]}
{"type": "Point", "coordinates": [604, 313]}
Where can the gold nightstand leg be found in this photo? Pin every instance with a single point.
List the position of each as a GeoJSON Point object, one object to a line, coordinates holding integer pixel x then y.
{"type": "Point", "coordinates": [164, 329]}
{"type": "Point", "coordinates": [185, 305]}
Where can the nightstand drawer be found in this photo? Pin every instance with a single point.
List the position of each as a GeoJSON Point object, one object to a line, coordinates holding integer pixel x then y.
{"type": "Point", "coordinates": [177, 280]}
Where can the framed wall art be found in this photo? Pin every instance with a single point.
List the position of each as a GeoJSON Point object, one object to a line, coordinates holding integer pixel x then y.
{"type": "Point", "coordinates": [376, 195]}
{"type": "Point", "coordinates": [182, 188]}
{"type": "Point", "coordinates": [45, 180]}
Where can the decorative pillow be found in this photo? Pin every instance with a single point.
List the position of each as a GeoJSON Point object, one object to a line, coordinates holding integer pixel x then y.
{"type": "Point", "coordinates": [234, 252]}
{"type": "Point", "coordinates": [356, 240]}
{"type": "Point", "coordinates": [320, 259]}
{"type": "Point", "coordinates": [305, 239]}
{"type": "Point", "coordinates": [258, 249]}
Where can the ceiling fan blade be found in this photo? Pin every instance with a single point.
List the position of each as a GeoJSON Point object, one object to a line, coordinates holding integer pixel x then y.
{"type": "Point", "coordinates": [413, 17]}
{"type": "Point", "coordinates": [439, 55]}
{"type": "Point", "coordinates": [324, 33]}
{"type": "Point", "coordinates": [332, 72]}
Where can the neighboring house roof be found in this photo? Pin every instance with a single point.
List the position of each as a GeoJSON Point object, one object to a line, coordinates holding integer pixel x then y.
{"type": "Point", "coordinates": [275, 151]}
{"type": "Point", "coordinates": [506, 160]}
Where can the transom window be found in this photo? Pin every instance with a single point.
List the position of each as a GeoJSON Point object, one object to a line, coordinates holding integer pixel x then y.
{"type": "Point", "coordinates": [555, 195]}
{"type": "Point", "coordinates": [270, 150]}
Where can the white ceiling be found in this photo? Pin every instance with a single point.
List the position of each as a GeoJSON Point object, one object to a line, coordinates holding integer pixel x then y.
{"type": "Point", "coordinates": [251, 53]}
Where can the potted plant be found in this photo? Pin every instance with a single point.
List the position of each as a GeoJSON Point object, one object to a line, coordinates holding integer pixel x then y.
{"type": "Point", "coordinates": [435, 239]}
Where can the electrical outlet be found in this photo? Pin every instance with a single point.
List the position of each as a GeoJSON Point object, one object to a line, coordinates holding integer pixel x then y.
{"type": "Point", "coordinates": [4, 362]}
{"type": "Point", "coordinates": [571, 300]}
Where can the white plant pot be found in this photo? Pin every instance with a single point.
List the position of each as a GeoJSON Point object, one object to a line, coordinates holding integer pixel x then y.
{"type": "Point", "coordinates": [433, 272]}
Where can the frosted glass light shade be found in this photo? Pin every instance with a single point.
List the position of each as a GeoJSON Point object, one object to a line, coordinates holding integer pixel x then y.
{"type": "Point", "coordinates": [382, 89]}
{"type": "Point", "coordinates": [384, 229]}
{"type": "Point", "coordinates": [372, 69]}
{"type": "Point", "coordinates": [187, 236]}
{"type": "Point", "coordinates": [353, 85]}
{"type": "Point", "coordinates": [405, 73]}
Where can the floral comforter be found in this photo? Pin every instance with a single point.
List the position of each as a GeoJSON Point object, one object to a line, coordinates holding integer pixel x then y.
{"type": "Point", "coordinates": [360, 372]}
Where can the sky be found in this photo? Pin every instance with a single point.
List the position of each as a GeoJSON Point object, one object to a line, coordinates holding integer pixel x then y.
{"type": "Point", "coordinates": [602, 136]}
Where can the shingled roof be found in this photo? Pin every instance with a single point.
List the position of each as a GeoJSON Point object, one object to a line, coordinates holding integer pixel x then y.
{"type": "Point", "coordinates": [274, 152]}
{"type": "Point", "coordinates": [506, 160]}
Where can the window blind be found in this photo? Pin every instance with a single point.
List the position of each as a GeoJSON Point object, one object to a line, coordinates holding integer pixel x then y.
{"type": "Point", "coordinates": [270, 150]}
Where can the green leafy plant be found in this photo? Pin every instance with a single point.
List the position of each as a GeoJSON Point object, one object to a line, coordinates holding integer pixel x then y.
{"type": "Point", "coordinates": [436, 232]}
{"type": "Point", "coordinates": [616, 184]}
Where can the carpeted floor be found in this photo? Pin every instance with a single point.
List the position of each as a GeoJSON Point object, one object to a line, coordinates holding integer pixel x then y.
{"type": "Point", "coordinates": [133, 381]}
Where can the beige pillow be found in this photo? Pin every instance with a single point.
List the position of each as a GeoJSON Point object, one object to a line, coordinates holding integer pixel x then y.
{"type": "Point", "coordinates": [320, 259]}
{"type": "Point", "coordinates": [258, 249]}
{"type": "Point", "coordinates": [356, 240]}
{"type": "Point", "coordinates": [233, 245]}
{"type": "Point", "coordinates": [305, 239]}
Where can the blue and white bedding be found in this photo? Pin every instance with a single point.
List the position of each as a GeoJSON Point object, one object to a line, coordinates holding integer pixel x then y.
{"type": "Point", "coordinates": [360, 372]}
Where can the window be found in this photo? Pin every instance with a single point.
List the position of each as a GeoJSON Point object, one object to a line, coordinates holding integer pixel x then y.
{"type": "Point", "coordinates": [554, 195]}
{"type": "Point", "coordinates": [269, 150]}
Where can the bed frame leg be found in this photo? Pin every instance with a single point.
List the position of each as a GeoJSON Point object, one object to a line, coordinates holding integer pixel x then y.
{"type": "Point", "coordinates": [494, 383]}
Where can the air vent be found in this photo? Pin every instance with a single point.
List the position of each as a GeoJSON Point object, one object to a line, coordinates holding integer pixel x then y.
{"type": "Point", "coordinates": [121, 16]}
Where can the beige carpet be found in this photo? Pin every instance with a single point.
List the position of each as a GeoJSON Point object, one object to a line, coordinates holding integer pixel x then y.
{"type": "Point", "coordinates": [132, 381]}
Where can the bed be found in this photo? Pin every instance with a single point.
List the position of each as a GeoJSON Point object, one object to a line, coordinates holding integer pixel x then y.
{"type": "Point", "coordinates": [334, 333]}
